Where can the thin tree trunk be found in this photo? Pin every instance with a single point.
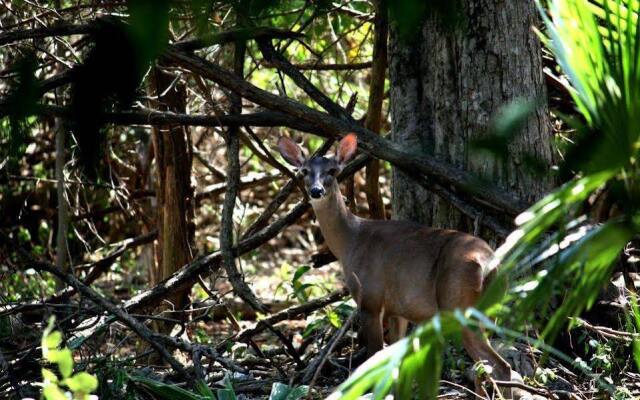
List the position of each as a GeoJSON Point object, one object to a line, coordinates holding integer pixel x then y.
{"type": "Point", "coordinates": [374, 109]}
{"type": "Point", "coordinates": [63, 210]}
{"type": "Point", "coordinates": [446, 84]}
{"type": "Point", "coordinates": [232, 138]}
{"type": "Point", "coordinates": [174, 193]}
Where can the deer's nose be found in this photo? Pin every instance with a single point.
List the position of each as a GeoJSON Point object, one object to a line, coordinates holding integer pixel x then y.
{"type": "Point", "coordinates": [316, 192]}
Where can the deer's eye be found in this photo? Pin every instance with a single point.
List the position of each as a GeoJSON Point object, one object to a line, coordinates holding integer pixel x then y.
{"type": "Point", "coordinates": [304, 171]}
{"type": "Point", "coordinates": [333, 171]}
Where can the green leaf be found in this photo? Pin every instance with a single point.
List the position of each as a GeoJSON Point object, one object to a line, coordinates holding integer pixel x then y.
{"type": "Point", "coordinates": [299, 272]}
{"type": "Point", "coordinates": [64, 359]}
{"type": "Point", "coordinates": [53, 392]}
{"type": "Point", "coordinates": [333, 318]}
{"type": "Point", "coordinates": [204, 389]}
{"type": "Point", "coordinates": [82, 382]}
{"type": "Point", "coordinates": [636, 352]}
{"type": "Point", "coordinates": [52, 340]}
{"type": "Point", "coordinates": [49, 376]}
{"type": "Point", "coordinates": [166, 391]}
{"type": "Point", "coordinates": [280, 391]}
{"type": "Point", "coordinates": [226, 394]}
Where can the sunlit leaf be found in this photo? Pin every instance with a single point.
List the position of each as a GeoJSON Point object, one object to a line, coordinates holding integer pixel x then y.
{"type": "Point", "coordinates": [82, 382]}
{"type": "Point", "coordinates": [53, 392]}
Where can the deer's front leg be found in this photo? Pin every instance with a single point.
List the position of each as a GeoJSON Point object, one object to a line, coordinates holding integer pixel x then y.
{"type": "Point", "coordinates": [370, 333]}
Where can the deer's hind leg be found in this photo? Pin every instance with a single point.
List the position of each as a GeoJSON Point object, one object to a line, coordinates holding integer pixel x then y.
{"type": "Point", "coordinates": [480, 350]}
{"type": "Point", "coordinates": [397, 328]}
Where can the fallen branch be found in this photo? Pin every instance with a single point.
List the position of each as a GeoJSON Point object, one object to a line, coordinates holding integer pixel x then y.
{"type": "Point", "coordinates": [102, 265]}
{"type": "Point", "coordinates": [156, 340]}
{"type": "Point", "coordinates": [519, 385]}
{"type": "Point", "coordinates": [315, 366]}
{"type": "Point", "coordinates": [140, 329]}
{"type": "Point", "coordinates": [289, 313]}
{"type": "Point", "coordinates": [607, 332]}
{"type": "Point", "coordinates": [97, 269]}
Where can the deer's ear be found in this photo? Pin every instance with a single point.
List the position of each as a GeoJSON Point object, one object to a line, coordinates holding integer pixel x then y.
{"type": "Point", "coordinates": [347, 148]}
{"type": "Point", "coordinates": [290, 151]}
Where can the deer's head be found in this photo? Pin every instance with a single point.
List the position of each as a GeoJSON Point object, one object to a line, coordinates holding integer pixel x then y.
{"type": "Point", "coordinates": [320, 172]}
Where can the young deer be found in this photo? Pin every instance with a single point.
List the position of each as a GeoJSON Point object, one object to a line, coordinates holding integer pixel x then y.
{"type": "Point", "coordinates": [401, 271]}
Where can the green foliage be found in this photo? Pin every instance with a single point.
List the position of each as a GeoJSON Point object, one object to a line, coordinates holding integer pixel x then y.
{"type": "Point", "coordinates": [81, 384]}
{"type": "Point", "coordinates": [595, 43]}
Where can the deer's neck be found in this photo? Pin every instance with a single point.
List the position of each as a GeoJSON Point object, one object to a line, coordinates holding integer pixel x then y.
{"type": "Point", "coordinates": [337, 223]}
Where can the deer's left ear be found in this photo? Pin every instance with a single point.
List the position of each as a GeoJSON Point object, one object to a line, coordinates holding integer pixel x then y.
{"type": "Point", "coordinates": [290, 151]}
{"type": "Point", "coordinates": [347, 148]}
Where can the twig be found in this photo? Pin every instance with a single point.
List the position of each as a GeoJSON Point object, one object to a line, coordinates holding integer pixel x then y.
{"type": "Point", "coordinates": [283, 315]}
{"type": "Point", "coordinates": [465, 389]}
{"type": "Point", "coordinates": [273, 56]}
{"type": "Point", "coordinates": [608, 332]}
{"type": "Point", "coordinates": [60, 29]}
{"type": "Point", "coordinates": [315, 366]}
{"type": "Point", "coordinates": [317, 66]}
{"type": "Point", "coordinates": [247, 182]}
{"type": "Point", "coordinates": [236, 36]}
{"type": "Point", "coordinates": [523, 386]}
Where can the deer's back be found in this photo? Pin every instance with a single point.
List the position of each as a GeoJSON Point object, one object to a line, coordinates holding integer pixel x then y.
{"type": "Point", "coordinates": [412, 270]}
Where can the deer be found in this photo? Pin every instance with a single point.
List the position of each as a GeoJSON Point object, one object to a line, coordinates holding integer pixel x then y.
{"type": "Point", "coordinates": [397, 270]}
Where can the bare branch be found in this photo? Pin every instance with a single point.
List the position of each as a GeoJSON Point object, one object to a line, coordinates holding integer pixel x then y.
{"type": "Point", "coordinates": [232, 137]}
{"type": "Point", "coordinates": [369, 142]}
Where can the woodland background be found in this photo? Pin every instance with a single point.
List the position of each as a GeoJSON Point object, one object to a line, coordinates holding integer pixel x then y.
{"type": "Point", "coordinates": [154, 245]}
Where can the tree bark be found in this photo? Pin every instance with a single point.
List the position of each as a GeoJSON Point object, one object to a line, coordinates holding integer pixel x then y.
{"type": "Point", "coordinates": [174, 193]}
{"type": "Point", "coordinates": [446, 84]}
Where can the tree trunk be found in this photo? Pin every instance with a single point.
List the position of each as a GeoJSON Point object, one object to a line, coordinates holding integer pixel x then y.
{"type": "Point", "coordinates": [374, 109]}
{"type": "Point", "coordinates": [446, 84]}
{"type": "Point", "coordinates": [174, 193]}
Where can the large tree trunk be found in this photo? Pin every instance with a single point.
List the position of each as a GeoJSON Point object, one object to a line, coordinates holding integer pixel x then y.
{"type": "Point", "coordinates": [446, 84]}
{"type": "Point", "coordinates": [174, 193]}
